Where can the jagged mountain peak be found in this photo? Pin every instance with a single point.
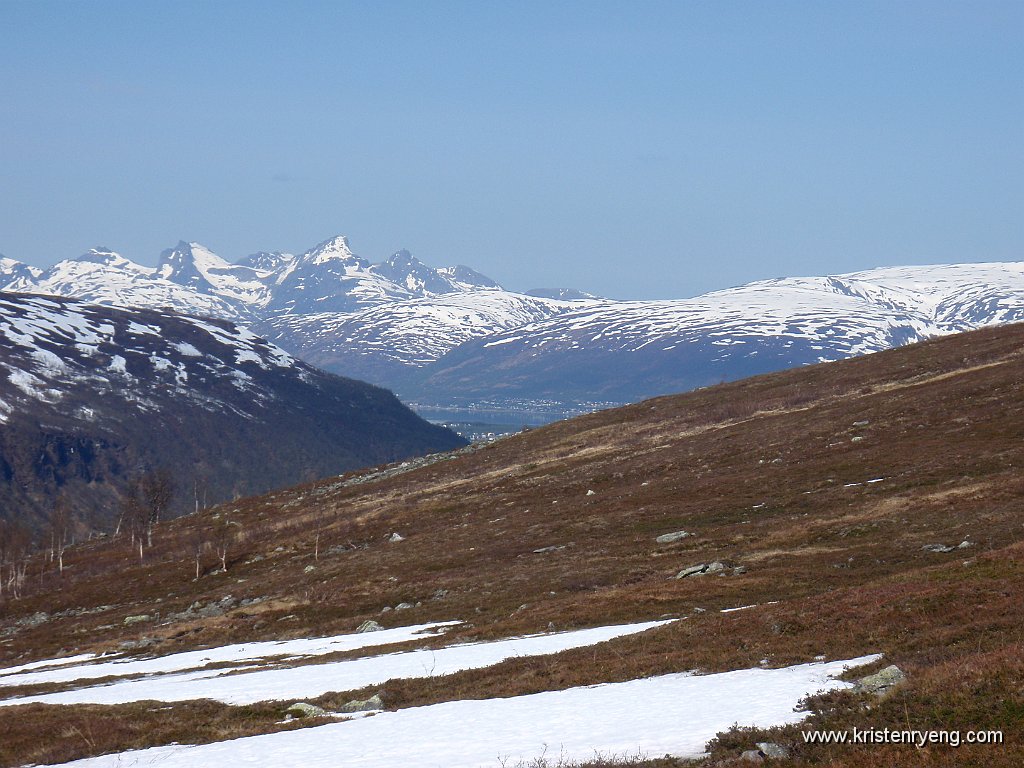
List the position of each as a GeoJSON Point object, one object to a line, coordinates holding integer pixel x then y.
{"type": "Point", "coordinates": [405, 270]}
{"type": "Point", "coordinates": [332, 249]}
{"type": "Point", "coordinates": [402, 256]}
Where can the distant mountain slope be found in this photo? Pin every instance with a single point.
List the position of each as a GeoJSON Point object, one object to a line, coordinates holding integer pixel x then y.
{"type": "Point", "coordinates": [626, 351]}
{"type": "Point", "coordinates": [385, 343]}
{"type": "Point", "coordinates": [91, 396]}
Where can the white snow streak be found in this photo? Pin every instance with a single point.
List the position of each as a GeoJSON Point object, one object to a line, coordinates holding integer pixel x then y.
{"type": "Point", "coordinates": [672, 714]}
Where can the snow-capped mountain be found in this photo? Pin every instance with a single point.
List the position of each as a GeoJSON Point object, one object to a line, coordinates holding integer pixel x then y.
{"type": "Point", "coordinates": [102, 276]}
{"type": "Point", "coordinates": [191, 279]}
{"type": "Point", "coordinates": [198, 268]}
{"type": "Point", "coordinates": [384, 343]}
{"type": "Point", "coordinates": [626, 351]}
{"type": "Point", "coordinates": [17, 276]}
{"type": "Point", "coordinates": [90, 395]}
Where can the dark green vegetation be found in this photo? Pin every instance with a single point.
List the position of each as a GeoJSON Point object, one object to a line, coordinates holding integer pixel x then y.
{"type": "Point", "coordinates": [772, 475]}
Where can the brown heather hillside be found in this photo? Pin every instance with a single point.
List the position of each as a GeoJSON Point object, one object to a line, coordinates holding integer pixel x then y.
{"type": "Point", "coordinates": [823, 483]}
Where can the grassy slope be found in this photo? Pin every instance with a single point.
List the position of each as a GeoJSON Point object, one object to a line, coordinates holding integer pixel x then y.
{"type": "Point", "coordinates": [768, 473]}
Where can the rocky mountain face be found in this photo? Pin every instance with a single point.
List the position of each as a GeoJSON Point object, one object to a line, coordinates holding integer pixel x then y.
{"type": "Point", "coordinates": [91, 397]}
{"type": "Point", "coordinates": [452, 336]}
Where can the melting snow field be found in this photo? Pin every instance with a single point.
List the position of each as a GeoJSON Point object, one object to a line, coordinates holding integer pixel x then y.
{"type": "Point", "coordinates": [672, 714]}
{"type": "Point", "coordinates": [311, 680]}
{"type": "Point", "coordinates": [241, 652]}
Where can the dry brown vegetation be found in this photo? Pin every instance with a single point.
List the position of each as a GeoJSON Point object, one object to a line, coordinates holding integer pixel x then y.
{"type": "Point", "coordinates": [770, 473]}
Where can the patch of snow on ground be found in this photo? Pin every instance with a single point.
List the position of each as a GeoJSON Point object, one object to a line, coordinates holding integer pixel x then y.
{"type": "Point", "coordinates": [240, 652]}
{"type": "Point", "coordinates": [653, 716]}
{"type": "Point", "coordinates": [314, 680]}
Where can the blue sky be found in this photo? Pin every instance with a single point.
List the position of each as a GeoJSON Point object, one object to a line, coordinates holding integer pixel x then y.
{"type": "Point", "coordinates": [636, 150]}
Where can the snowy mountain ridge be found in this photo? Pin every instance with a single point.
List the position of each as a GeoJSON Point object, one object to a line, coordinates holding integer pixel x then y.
{"type": "Point", "coordinates": [192, 279]}
{"type": "Point", "coordinates": [421, 330]}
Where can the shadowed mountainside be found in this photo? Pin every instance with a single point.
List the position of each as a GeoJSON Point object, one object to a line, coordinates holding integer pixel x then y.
{"type": "Point", "coordinates": [91, 396]}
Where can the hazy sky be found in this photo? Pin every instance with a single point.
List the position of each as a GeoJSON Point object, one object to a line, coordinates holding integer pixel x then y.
{"type": "Point", "coordinates": [632, 149]}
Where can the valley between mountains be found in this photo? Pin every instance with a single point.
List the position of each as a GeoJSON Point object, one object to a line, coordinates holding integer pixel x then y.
{"type": "Point", "coordinates": [862, 512]}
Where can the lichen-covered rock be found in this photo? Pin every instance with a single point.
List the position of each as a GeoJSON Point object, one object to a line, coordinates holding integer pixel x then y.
{"type": "Point", "coordinates": [668, 538]}
{"type": "Point", "coordinates": [304, 709]}
{"type": "Point", "coordinates": [881, 682]}
{"type": "Point", "coordinates": [363, 705]}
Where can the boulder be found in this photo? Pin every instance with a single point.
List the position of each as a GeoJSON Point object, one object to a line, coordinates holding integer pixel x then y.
{"type": "Point", "coordinates": [693, 570]}
{"type": "Point", "coordinates": [702, 568]}
{"type": "Point", "coordinates": [881, 682]}
{"type": "Point", "coordinates": [304, 709]}
{"type": "Point", "coordinates": [772, 750]}
{"type": "Point", "coordinates": [365, 705]}
{"type": "Point", "coordinates": [369, 626]}
{"type": "Point", "coordinates": [668, 538]}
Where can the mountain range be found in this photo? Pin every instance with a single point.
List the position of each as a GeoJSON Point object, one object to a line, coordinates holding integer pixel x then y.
{"type": "Point", "coordinates": [451, 336]}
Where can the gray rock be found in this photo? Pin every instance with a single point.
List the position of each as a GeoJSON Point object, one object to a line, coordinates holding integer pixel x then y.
{"type": "Point", "coordinates": [965, 544]}
{"type": "Point", "coordinates": [939, 548]}
{"type": "Point", "coordinates": [369, 626]}
{"type": "Point", "coordinates": [702, 568]}
{"type": "Point", "coordinates": [138, 619]}
{"type": "Point", "coordinates": [404, 606]}
{"type": "Point", "coordinates": [693, 570]}
{"type": "Point", "coordinates": [668, 538]}
{"type": "Point", "coordinates": [546, 550]}
{"type": "Point", "coordinates": [752, 756]}
{"type": "Point", "coordinates": [591, 493]}
{"type": "Point", "coordinates": [135, 645]}
{"type": "Point", "coordinates": [304, 709]}
{"type": "Point", "coordinates": [881, 682]}
{"type": "Point", "coordinates": [396, 537]}
{"type": "Point", "coordinates": [364, 705]}
{"type": "Point", "coordinates": [772, 750]}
